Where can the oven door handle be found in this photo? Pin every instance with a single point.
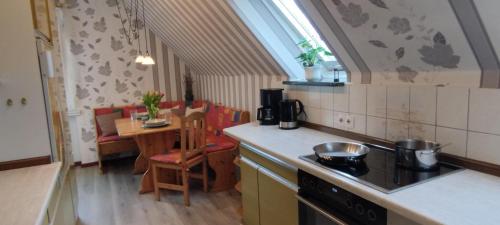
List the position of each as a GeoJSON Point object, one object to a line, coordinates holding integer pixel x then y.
{"type": "Point", "coordinates": [321, 211]}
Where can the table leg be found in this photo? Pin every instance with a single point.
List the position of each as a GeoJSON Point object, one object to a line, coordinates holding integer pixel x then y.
{"type": "Point", "coordinates": [150, 145]}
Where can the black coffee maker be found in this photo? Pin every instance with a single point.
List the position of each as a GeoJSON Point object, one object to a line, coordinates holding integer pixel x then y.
{"type": "Point", "coordinates": [269, 113]}
{"type": "Point", "coordinates": [289, 113]}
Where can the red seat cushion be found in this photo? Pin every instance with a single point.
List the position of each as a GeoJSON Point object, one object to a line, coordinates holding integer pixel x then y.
{"type": "Point", "coordinates": [198, 103]}
{"type": "Point", "coordinates": [173, 156]}
{"type": "Point", "coordinates": [103, 111]}
{"type": "Point", "coordinates": [102, 139]}
{"type": "Point", "coordinates": [219, 143]}
{"type": "Point", "coordinates": [171, 104]}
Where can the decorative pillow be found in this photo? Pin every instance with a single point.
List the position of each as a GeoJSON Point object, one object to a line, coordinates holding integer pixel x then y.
{"type": "Point", "coordinates": [189, 110]}
{"type": "Point", "coordinates": [106, 123]}
{"type": "Point", "coordinates": [212, 113]}
{"type": "Point", "coordinates": [169, 110]}
{"type": "Point", "coordinates": [231, 117]}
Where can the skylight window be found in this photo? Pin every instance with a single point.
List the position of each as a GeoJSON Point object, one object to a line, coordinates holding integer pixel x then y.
{"type": "Point", "coordinates": [297, 18]}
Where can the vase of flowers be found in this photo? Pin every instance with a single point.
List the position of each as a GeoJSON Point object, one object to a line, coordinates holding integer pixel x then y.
{"type": "Point", "coordinates": [152, 101]}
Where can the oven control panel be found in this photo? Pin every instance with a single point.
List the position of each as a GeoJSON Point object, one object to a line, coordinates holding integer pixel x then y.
{"type": "Point", "coordinates": [340, 202]}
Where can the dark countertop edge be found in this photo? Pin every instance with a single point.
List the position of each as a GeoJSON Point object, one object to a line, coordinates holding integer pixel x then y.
{"type": "Point", "coordinates": [315, 83]}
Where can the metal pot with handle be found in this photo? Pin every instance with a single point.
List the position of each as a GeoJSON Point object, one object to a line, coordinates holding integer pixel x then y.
{"type": "Point", "coordinates": [417, 154]}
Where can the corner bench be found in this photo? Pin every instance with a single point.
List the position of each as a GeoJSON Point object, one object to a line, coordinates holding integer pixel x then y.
{"type": "Point", "coordinates": [221, 149]}
{"type": "Point", "coordinates": [114, 144]}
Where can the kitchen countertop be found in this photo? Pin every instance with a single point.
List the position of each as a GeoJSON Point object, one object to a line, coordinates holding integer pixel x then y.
{"type": "Point", "coordinates": [464, 197]}
{"type": "Point", "coordinates": [25, 193]}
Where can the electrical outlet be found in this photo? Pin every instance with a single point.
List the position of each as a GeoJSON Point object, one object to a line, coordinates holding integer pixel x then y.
{"type": "Point", "coordinates": [343, 121]}
{"type": "Point", "coordinates": [349, 122]}
{"type": "Point", "coordinates": [339, 119]}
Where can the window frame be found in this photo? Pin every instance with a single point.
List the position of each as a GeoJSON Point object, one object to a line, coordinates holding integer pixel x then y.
{"type": "Point", "coordinates": [296, 33]}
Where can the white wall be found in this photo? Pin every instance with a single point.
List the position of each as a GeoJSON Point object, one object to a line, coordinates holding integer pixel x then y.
{"type": "Point", "coordinates": [23, 129]}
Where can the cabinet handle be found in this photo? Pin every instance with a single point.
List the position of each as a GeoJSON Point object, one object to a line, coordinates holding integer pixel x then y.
{"type": "Point", "coordinates": [267, 156]}
{"type": "Point", "coordinates": [279, 179]}
{"type": "Point", "coordinates": [249, 162]}
{"type": "Point", "coordinates": [270, 174]}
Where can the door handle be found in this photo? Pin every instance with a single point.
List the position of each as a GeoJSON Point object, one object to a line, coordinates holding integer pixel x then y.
{"type": "Point", "coordinates": [320, 211]}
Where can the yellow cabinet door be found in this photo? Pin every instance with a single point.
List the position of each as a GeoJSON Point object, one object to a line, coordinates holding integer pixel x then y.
{"type": "Point", "coordinates": [277, 201]}
{"type": "Point", "coordinates": [249, 192]}
{"type": "Point", "coordinates": [65, 214]}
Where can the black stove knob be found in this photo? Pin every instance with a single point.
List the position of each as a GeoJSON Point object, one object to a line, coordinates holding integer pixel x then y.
{"type": "Point", "coordinates": [312, 184]}
{"type": "Point", "coordinates": [304, 180]}
{"type": "Point", "coordinates": [372, 216]}
{"type": "Point", "coordinates": [360, 209]}
{"type": "Point", "coordinates": [320, 188]}
{"type": "Point", "coordinates": [349, 204]}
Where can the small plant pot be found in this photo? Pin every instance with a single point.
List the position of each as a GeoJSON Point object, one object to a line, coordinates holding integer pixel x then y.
{"type": "Point", "coordinates": [313, 73]}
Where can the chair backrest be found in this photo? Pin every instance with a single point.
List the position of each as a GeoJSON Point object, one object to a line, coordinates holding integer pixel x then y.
{"type": "Point", "coordinates": [192, 135]}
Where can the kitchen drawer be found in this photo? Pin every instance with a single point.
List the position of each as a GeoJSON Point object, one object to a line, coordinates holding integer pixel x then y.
{"type": "Point", "coordinates": [269, 162]}
{"type": "Point", "coordinates": [45, 220]}
{"type": "Point", "coordinates": [54, 197]}
{"type": "Point", "coordinates": [250, 192]}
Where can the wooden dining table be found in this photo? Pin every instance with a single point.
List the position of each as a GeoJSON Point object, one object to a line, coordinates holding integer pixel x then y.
{"type": "Point", "coordinates": [151, 141]}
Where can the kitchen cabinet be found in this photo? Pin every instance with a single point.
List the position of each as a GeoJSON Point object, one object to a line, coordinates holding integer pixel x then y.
{"type": "Point", "coordinates": [20, 78]}
{"type": "Point", "coordinates": [62, 209]}
{"type": "Point", "coordinates": [277, 202]}
{"type": "Point", "coordinates": [65, 213]}
{"type": "Point", "coordinates": [268, 189]}
{"type": "Point", "coordinates": [249, 192]}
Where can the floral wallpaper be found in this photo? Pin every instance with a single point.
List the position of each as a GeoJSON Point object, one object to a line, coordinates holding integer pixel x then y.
{"type": "Point", "coordinates": [404, 41]}
{"type": "Point", "coordinates": [101, 64]}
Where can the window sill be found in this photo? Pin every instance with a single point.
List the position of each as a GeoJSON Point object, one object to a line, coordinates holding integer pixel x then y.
{"type": "Point", "coordinates": [315, 83]}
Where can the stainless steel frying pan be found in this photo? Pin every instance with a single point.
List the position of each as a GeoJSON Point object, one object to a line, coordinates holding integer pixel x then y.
{"type": "Point", "coordinates": [339, 153]}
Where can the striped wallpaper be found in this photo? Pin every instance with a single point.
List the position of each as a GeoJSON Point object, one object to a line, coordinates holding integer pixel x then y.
{"type": "Point", "coordinates": [210, 37]}
{"type": "Point", "coordinates": [169, 71]}
{"type": "Point", "coordinates": [240, 91]}
{"type": "Point", "coordinates": [229, 64]}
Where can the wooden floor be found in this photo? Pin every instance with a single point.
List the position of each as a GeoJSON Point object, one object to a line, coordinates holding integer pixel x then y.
{"type": "Point", "coordinates": [112, 199]}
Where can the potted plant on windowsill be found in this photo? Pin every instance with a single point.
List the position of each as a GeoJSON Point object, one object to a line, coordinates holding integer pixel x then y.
{"type": "Point", "coordinates": [309, 58]}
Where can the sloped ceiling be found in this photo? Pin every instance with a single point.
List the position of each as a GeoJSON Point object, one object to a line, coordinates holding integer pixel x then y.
{"type": "Point", "coordinates": [210, 37]}
{"type": "Point", "coordinates": [440, 42]}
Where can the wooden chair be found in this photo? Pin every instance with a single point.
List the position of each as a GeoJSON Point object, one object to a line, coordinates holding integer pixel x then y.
{"type": "Point", "coordinates": [192, 153]}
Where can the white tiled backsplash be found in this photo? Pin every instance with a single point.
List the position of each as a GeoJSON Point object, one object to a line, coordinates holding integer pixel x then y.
{"type": "Point", "coordinates": [468, 118]}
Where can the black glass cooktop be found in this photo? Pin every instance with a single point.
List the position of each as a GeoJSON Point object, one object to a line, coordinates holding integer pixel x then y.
{"type": "Point", "coordinates": [379, 171]}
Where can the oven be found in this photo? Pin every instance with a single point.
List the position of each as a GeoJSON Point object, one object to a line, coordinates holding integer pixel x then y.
{"type": "Point", "coordinates": [322, 203]}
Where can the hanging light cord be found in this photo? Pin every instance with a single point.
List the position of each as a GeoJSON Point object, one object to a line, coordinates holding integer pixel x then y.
{"type": "Point", "coordinates": [137, 26]}
{"type": "Point", "coordinates": [132, 30]}
{"type": "Point", "coordinates": [144, 21]}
